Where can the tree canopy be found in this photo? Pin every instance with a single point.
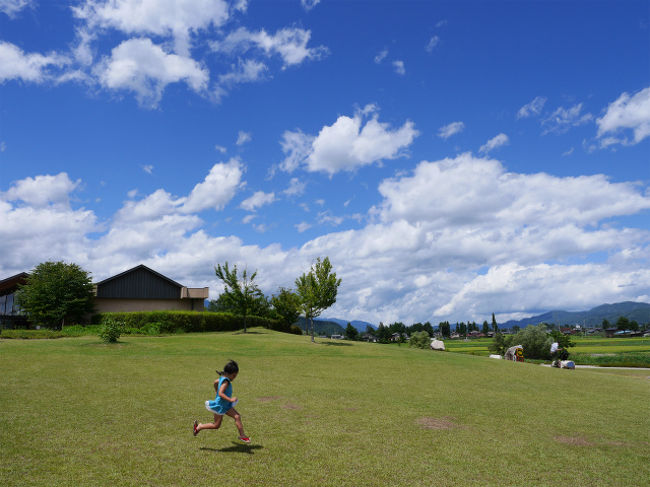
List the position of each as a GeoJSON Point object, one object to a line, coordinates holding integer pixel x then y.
{"type": "Point", "coordinates": [241, 295]}
{"type": "Point", "coordinates": [56, 293]}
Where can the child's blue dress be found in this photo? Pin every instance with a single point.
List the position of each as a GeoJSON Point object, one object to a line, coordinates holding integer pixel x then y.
{"type": "Point", "coordinates": [220, 405]}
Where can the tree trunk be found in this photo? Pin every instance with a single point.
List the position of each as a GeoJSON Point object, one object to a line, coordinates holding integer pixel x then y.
{"type": "Point", "coordinates": [311, 324]}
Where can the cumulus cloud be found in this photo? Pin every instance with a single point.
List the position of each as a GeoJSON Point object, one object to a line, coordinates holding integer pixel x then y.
{"type": "Point", "coordinates": [259, 199]}
{"type": "Point", "coordinates": [626, 112]}
{"type": "Point", "coordinates": [296, 187]}
{"type": "Point", "coordinates": [399, 67]}
{"type": "Point", "coordinates": [244, 72]}
{"type": "Point", "coordinates": [457, 238]}
{"type": "Point", "coordinates": [347, 145]}
{"type": "Point", "coordinates": [31, 67]}
{"type": "Point", "coordinates": [532, 108]}
{"type": "Point", "coordinates": [448, 130]}
{"type": "Point", "coordinates": [289, 43]}
{"type": "Point", "coordinates": [178, 19]}
{"type": "Point", "coordinates": [42, 191]}
{"type": "Point", "coordinates": [218, 188]}
{"type": "Point", "coordinates": [493, 143]}
{"type": "Point", "coordinates": [12, 7]}
{"type": "Point", "coordinates": [563, 119]}
{"type": "Point", "coordinates": [143, 67]}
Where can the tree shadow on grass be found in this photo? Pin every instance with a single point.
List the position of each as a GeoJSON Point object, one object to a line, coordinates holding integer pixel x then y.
{"type": "Point", "coordinates": [336, 344]}
{"type": "Point", "coordinates": [242, 332]}
{"type": "Point", "coordinates": [236, 448]}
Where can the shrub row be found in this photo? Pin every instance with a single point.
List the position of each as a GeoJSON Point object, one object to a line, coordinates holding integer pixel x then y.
{"type": "Point", "coordinates": [621, 359]}
{"type": "Point", "coordinates": [155, 322]}
{"type": "Point", "coordinates": [28, 334]}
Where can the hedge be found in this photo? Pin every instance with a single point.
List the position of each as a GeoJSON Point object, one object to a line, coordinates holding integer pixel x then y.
{"type": "Point", "coordinates": [188, 321]}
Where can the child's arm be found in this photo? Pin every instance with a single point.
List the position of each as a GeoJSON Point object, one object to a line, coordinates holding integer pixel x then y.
{"type": "Point", "coordinates": [222, 392]}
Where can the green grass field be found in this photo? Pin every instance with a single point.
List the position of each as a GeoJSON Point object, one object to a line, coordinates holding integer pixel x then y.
{"type": "Point", "coordinates": [79, 412]}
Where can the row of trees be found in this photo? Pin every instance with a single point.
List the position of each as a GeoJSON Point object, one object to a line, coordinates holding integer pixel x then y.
{"type": "Point", "coordinates": [316, 290]}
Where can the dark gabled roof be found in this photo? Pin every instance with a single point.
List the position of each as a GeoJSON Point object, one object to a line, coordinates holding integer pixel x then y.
{"type": "Point", "coordinates": [13, 281]}
{"type": "Point", "coordinates": [141, 266]}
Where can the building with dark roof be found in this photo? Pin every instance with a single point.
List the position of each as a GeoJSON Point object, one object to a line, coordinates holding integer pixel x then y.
{"type": "Point", "coordinates": [143, 289]}
{"type": "Point", "coordinates": [10, 314]}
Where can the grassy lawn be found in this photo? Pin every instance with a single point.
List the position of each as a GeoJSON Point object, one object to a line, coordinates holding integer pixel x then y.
{"type": "Point", "coordinates": [79, 412]}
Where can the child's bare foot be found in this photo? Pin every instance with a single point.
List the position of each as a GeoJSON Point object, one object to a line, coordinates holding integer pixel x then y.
{"type": "Point", "coordinates": [194, 427]}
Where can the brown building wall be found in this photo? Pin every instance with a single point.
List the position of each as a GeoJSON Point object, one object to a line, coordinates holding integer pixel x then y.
{"type": "Point", "coordinates": [104, 305]}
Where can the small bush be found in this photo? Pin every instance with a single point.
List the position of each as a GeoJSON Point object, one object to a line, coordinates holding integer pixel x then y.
{"type": "Point", "coordinates": [295, 329]}
{"type": "Point", "coordinates": [111, 330]}
{"type": "Point", "coordinates": [420, 339]}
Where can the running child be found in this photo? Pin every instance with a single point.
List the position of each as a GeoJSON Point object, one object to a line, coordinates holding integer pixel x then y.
{"type": "Point", "coordinates": [223, 403]}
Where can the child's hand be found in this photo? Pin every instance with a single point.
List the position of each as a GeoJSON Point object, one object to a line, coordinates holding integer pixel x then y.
{"type": "Point", "coordinates": [233, 399]}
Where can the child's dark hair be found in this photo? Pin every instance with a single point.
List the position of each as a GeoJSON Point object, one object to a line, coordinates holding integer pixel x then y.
{"type": "Point", "coordinates": [230, 368]}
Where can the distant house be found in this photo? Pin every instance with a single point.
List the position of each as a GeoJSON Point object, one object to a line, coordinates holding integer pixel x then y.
{"type": "Point", "coordinates": [11, 316]}
{"type": "Point", "coordinates": [143, 289]}
{"type": "Point", "coordinates": [337, 337]}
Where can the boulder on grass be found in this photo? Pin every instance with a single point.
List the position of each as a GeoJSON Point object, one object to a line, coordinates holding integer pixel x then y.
{"type": "Point", "coordinates": [495, 356]}
{"type": "Point", "coordinates": [437, 345]}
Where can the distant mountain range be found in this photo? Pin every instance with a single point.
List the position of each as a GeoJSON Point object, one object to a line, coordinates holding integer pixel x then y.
{"type": "Point", "coordinates": [333, 326]}
{"type": "Point", "coordinates": [639, 312]}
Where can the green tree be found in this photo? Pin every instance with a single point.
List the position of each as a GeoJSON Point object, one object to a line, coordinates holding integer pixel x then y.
{"type": "Point", "coordinates": [634, 326]}
{"type": "Point", "coordinates": [420, 339]}
{"type": "Point", "coordinates": [286, 305]}
{"type": "Point", "coordinates": [622, 323]}
{"type": "Point", "coordinates": [486, 327]}
{"type": "Point", "coordinates": [495, 327]}
{"type": "Point", "coordinates": [56, 293]}
{"type": "Point", "coordinates": [241, 294]}
{"type": "Point", "coordinates": [500, 344]}
{"type": "Point", "coordinates": [317, 290]}
{"type": "Point", "coordinates": [351, 333]}
{"type": "Point", "coordinates": [535, 340]}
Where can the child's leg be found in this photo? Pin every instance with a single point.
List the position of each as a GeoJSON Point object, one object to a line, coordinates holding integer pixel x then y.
{"type": "Point", "coordinates": [211, 426]}
{"type": "Point", "coordinates": [232, 412]}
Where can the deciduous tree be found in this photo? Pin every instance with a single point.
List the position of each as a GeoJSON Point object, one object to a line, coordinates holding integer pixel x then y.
{"type": "Point", "coordinates": [239, 294]}
{"type": "Point", "coordinates": [56, 293]}
{"type": "Point", "coordinates": [317, 290]}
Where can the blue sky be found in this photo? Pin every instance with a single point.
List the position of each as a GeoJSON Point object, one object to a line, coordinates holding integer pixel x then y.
{"type": "Point", "coordinates": [453, 159]}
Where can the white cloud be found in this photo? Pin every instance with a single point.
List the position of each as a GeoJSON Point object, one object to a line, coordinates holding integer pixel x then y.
{"type": "Point", "coordinates": [248, 218]}
{"type": "Point", "coordinates": [626, 112]}
{"type": "Point", "coordinates": [381, 56]}
{"type": "Point", "coordinates": [347, 144]}
{"type": "Point", "coordinates": [296, 187]}
{"type": "Point", "coordinates": [218, 188]}
{"type": "Point", "coordinates": [34, 67]}
{"type": "Point", "coordinates": [454, 239]}
{"type": "Point", "coordinates": [562, 119]}
{"type": "Point", "coordinates": [399, 67]}
{"type": "Point", "coordinates": [148, 168]}
{"type": "Point", "coordinates": [532, 108]}
{"type": "Point", "coordinates": [433, 42]}
{"type": "Point", "coordinates": [244, 72]}
{"type": "Point", "coordinates": [3, 146]}
{"type": "Point", "coordinates": [297, 146]}
{"type": "Point", "coordinates": [448, 130]}
{"type": "Point", "coordinates": [259, 199]}
{"type": "Point", "coordinates": [178, 18]}
{"type": "Point", "coordinates": [220, 148]}
{"type": "Point", "coordinates": [289, 43]}
{"type": "Point", "coordinates": [302, 227]}
{"type": "Point", "coordinates": [568, 152]}
{"type": "Point", "coordinates": [140, 66]}
{"type": "Point", "coordinates": [309, 4]}
{"type": "Point", "coordinates": [12, 7]}
{"type": "Point", "coordinates": [441, 23]}
{"type": "Point", "coordinates": [243, 137]}
{"type": "Point", "coordinates": [42, 191]}
{"type": "Point", "coordinates": [494, 142]}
